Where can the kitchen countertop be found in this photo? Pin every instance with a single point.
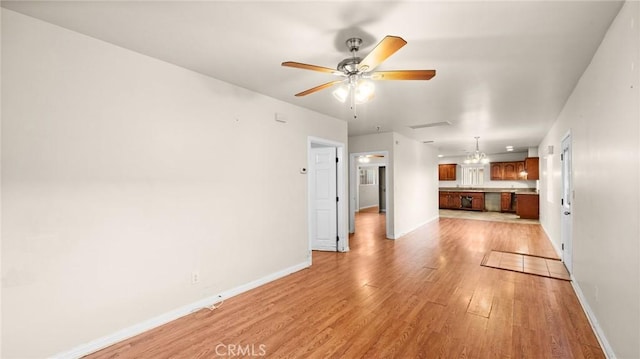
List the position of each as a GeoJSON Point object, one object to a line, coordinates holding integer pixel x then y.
{"type": "Point", "coordinates": [489, 190]}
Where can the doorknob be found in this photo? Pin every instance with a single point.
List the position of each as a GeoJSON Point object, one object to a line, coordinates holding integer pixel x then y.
{"type": "Point", "coordinates": [566, 213]}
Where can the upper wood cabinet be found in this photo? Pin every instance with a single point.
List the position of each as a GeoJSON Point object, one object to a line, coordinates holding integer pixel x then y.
{"type": "Point", "coordinates": [520, 171]}
{"type": "Point", "coordinates": [447, 172]}
{"type": "Point", "coordinates": [531, 165]}
{"type": "Point", "coordinates": [508, 171]}
{"type": "Point", "coordinates": [496, 171]}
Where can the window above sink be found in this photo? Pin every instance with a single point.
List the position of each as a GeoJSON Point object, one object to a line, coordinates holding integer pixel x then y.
{"type": "Point", "coordinates": [472, 174]}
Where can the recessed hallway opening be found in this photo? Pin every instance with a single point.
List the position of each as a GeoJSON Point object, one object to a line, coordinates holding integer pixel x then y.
{"type": "Point", "coordinates": [422, 295]}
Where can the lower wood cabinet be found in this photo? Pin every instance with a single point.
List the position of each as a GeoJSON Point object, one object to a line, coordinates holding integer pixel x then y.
{"type": "Point", "coordinates": [477, 202]}
{"type": "Point", "coordinates": [443, 200]}
{"type": "Point", "coordinates": [473, 201]}
{"type": "Point", "coordinates": [507, 200]}
{"type": "Point", "coordinates": [528, 206]}
{"type": "Point", "coordinates": [449, 200]}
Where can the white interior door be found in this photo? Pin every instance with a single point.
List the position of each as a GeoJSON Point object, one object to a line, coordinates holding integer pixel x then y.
{"type": "Point", "coordinates": [324, 218]}
{"type": "Point", "coordinates": [566, 226]}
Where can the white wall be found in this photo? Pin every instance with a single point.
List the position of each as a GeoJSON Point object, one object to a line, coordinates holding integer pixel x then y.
{"type": "Point", "coordinates": [122, 174]}
{"type": "Point", "coordinates": [368, 195]}
{"type": "Point", "coordinates": [488, 183]}
{"type": "Point", "coordinates": [603, 115]}
{"type": "Point", "coordinates": [415, 187]}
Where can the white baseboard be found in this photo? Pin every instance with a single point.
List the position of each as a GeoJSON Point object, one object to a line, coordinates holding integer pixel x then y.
{"type": "Point", "coordinates": [325, 248]}
{"type": "Point", "coordinates": [365, 207]}
{"type": "Point", "coordinates": [162, 319]}
{"type": "Point", "coordinates": [402, 234]}
{"type": "Point", "coordinates": [602, 339]}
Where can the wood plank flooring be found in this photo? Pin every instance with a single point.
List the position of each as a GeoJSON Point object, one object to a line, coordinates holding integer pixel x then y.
{"type": "Point", "coordinates": [422, 296]}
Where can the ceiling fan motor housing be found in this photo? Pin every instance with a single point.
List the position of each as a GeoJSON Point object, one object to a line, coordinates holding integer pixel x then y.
{"type": "Point", "coordinates": [349, 66]}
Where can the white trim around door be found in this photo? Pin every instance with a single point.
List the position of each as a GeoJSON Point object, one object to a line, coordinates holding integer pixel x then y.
{"type": "Point", "coordinates": [342, 243]}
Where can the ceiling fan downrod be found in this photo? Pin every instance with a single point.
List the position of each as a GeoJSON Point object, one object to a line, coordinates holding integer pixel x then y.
{"type": "Point", "coordinates": [350, 65]}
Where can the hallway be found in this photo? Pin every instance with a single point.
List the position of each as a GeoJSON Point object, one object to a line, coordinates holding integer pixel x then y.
{"type": "Point", "coordinates": [423, 295]}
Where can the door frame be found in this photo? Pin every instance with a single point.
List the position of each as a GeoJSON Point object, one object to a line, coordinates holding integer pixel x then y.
{"type": "Point", "coordinates": [343, 241]}
{"type": "Point", "coordinates": [361, 166]}
{"type": "Point", "coordinates": [380, 197]}
{"type": "Point", "coordinates": [353, 188]}
{"type": "Point", "coordinates": [566, 234]}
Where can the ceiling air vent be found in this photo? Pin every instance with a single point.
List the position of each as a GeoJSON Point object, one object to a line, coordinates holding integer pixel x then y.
{"type": "Point", "coordinates": [428, 141]}
{"type": "Point", "coordinates": [434, 124]}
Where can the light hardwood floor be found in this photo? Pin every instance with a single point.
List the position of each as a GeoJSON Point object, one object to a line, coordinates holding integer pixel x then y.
{"type": "Point", "coordinates": [421, 296]}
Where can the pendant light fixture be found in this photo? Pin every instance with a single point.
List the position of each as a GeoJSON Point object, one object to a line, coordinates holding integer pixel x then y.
{"type": "Point", "coordinates": [477, 156]}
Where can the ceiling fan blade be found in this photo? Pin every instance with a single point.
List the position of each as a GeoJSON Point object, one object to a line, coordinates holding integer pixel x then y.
{"type": "Point", "coordinates": [318, 88]}
{"type": "Point", "coordinates": [387, 47]}
{"type": "Point", "coordinates": [403, 75]}
{"type": "Point", "coordinates": [300, 65]}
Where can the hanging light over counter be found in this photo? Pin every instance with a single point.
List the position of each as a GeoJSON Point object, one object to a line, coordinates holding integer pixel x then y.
{"type": "Point", "coordinates": [477, 156]}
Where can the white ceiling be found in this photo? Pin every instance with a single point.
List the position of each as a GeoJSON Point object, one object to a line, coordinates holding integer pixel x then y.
{"type": "Point", "coordinates": [504, 69]}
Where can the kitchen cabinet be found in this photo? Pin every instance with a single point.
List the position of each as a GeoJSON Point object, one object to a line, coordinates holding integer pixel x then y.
{"type": "Point", "coordinates": [507, 171]}
{"type": "Point", "coordinates": [532, 166]}
{"type": "Point", "coordinates": [449, 200]}
{"type": "Point", "coordinates": [447, 172]}
{"type": "Point", "coordinates": [520, 171]}
{"type": "Point", "coordinates": [443, 200]}
{"type": "Point", "coordinates": [496, 171]}
{"type": "Point", "coordinates": [505, 202]}
{"type": "Point", "coordinates": [462, 200]}
{"type": "Point", "coordinates": [477, 202]}
{"type": "Point", "coordinates": [454, 201]}
{"type": "Point", "coordinates": [528, 206]}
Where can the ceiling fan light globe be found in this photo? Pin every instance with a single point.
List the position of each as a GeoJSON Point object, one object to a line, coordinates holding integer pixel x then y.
{"type": "Point", "coordinates": [364, 91]}
{"type": "Point", "coordinates": [341, 93]}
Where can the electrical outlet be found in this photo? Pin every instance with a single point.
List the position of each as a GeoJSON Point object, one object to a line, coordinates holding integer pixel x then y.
{"type": "Point", "coordinates": [195, 277]}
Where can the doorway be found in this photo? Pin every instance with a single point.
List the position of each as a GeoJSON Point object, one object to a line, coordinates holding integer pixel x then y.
{"type": "Point", "coordinates": [382, 174]}
{"type": "Point", "coordinates": [327, 205]}
{"type": "Point", "coordinates": [566, 225]}
{"type": "Point", "coordinates": [382, 189]}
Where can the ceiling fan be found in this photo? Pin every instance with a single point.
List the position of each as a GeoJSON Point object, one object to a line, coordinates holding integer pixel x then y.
{"type": "Point", "coordinates": [355, 69]}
